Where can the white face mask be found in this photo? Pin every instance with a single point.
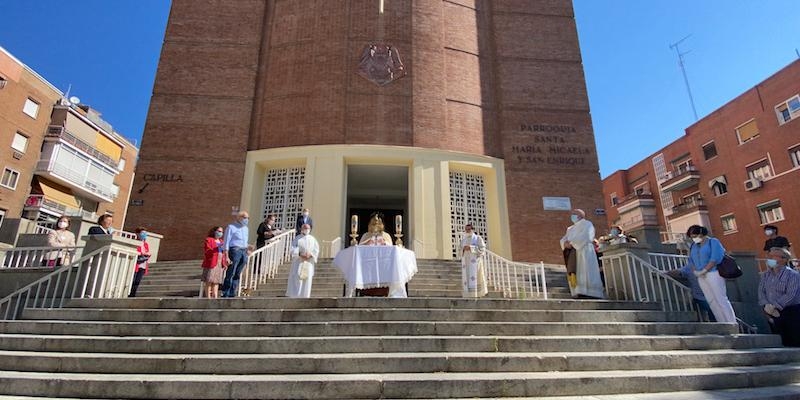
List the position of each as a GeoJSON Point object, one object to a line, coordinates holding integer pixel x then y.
{"type": "Point", "coordinates": [697, 240]}
{"type": "Point", "coordinates": [305, 214]}
{"type": "Point", "coordinates": [62, 224]}
{"type": "Point", "coordinates": [305, 231]}
{"type": "Point", "coordinates": [769, 232]}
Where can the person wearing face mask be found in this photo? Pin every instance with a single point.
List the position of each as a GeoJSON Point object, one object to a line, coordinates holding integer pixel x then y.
{"type": "Point", "coordinates": [104, 225]}
{"type": "Point", "coordinates": [142, 260]}
{"type": "Point", "coordinates": [214, 263]}
{"type": "Point", "coordinates": [303, 218]}
{"type": "Point", "coordinates": [473, 276]}
{"type": "Point", "coordinates": [266, 231]}
{"type": "Point", "coordinates": [235, 251]}
{"type": "Point", "coordinates": [773, 240]}
{"type": "Point", "coordinates": [704, 255]}
{"type": "Point", "coordinates": [779, 296]}
{"type": "Point", "coordinates": [61, 237]}
{"type": "Point", "coordinates": [305, 250]}
{"type": "Point", "coordinates": [583, 271]}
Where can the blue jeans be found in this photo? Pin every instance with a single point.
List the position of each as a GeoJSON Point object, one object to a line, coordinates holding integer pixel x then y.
{"type": "Point", "coordinates": [705, 310]}
{"type": "Point", "coordinates": [230, 286]}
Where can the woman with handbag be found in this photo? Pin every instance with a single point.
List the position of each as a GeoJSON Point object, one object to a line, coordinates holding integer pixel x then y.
{"type": "Point", "coordinates": [214, 263]}
{"type": "Point", "coordinates": [704, 255]}
{"type": "Point", "coordinates": [142, 260]}
{"type": "Point", "coordinates": [61, 237]}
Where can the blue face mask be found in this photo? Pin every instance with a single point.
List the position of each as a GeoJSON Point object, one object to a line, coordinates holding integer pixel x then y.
{"type": "Point", "coordinates": [615, 232]}
{"type": "Point", "coordinates": [217, 235]}
{"type": "Point", "coordinates": [245, 221]}
{"type": "Point", "coordinates": [772, 263]}
{"type": "Point", "coordinates": [142, 235]}
{"type": "Point", "coordinates": [573, 218]}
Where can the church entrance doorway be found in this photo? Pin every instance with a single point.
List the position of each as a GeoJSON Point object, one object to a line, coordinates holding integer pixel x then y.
{"type": "Point", "coordinates": [377, 188]}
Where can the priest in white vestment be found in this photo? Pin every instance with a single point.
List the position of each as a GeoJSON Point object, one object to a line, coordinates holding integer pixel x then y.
{"type": "Point", "coordinates": [305, 251]}
{"type": "Point", "coordinates": [473, 273]}
{"type": "Point", "coordinates": [586, 279]}
{"type": "Point", "coordinates": [375, 236]}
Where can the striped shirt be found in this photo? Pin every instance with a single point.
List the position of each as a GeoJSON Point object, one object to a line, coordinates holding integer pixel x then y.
{"type": "Point", "coordinates": [779, 287]}
{"type": "Point", "coordinates": [236, 236]}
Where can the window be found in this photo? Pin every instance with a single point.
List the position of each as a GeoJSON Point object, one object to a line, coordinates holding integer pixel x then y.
{"type": "Point", "coordinates": [794, 154]}
{"type": "Point", "coordinates": [121, 165]}
{"type": "Point", "coordinates": [728, 223]}
{"type": "Point", "coordinates": [2, 216]}
{"type": "Point", "coordinates": [683, 166]}
{"type": "Point", "coordinates": [3, 82]}
{"type": "Point", "coordinates": [747, 131]}
{"type": "Point", "coordinates": [760, 170]}
{"type": "Point", "coordinates": [770, 212]}
{"type": "Point", "coordinates": [692, 200]}
{"type": "Point", "coordinates": [31, 108]}
{"type": "Point", "coordinates": [614, 199]}
{"type": "Point", "coordinates": [719, 188]}
{"type": "Point", "coordinates": [709, 151]}
{"type": "Point", "coordinates": [788, 110]}
{"type": "Point", "coordinates": [10, 178]}
{"type": "Point", "coordinates": [20, 142]}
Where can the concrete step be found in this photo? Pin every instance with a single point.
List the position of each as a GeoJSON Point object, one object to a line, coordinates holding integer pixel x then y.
{"type": "Point", "coordinates": [372, 363]}
{"type": "Point", "coordinates": [353, 314]}
{"type": "Point", "coordinates": [361, 328]}
{"type": "Point", "coordinates": [395, 385]}
{"type": "Point", "coordinates": [371, 302]}
{"type": "Point", "coordinates": [379, 344]}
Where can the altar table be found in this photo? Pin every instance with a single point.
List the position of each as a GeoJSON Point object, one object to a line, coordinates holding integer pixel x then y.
{"type": "Point", "coordinates": [366, 267]}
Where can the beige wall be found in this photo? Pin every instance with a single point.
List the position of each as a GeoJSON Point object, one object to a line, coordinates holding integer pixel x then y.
{"type": "Point", "coordinates": [428, 186]}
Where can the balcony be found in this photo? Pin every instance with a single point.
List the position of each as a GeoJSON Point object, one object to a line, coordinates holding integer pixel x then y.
{"type": "Point", "coordinates": [60, 133]}
{"type": "Point", "coordinates": [77, 180]}
{"type": "Point", "coordinates": [38, 202]}
{"type": "Point", "coordinates": [636, 200]}
{"type": "Point", "coordinates": [681, 179]}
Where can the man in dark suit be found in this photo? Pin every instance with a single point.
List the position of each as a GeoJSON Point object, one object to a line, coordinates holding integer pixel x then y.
{"type": "Point", "coordinates": [303, 218]}
{"type": "Point", "coordinates": [104, 227]}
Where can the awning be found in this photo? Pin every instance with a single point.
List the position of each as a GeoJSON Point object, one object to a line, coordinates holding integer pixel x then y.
{"type": "Point", "coordinates": [53, 192]}
{"type": "Point", "coordinates": [720, 179]}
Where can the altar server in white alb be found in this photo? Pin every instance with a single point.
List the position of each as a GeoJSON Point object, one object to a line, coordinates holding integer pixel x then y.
{"type": "Point", "coordinates": [305, 251]}
{"type": "Point", "coordinates": [473, 275]}
{"type": "Point", "coordinates": [579, 238]}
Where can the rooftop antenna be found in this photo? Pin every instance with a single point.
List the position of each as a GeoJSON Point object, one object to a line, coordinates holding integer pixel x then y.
{"type": "Point", "coordinates": [683, 70]}
{"type": "Point", "coordinates": [797, 52]}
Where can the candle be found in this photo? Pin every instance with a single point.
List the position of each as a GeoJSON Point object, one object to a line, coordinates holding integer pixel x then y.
{"type": "Point", "coordinates": [354, 223]}
{"type": "Point", "coordinates": [398, 223]}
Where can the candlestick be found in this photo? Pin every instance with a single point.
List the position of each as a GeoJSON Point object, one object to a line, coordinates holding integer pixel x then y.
{"type": "Point", "coordinates": [398, 223]}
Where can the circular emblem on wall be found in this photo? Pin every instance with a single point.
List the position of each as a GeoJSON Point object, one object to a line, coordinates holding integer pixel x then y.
{"type": "Point", "coordinates": [380, 64]}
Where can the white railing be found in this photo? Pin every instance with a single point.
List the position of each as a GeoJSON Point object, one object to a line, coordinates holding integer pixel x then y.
{"type": "Point", "coordinates": [330, 248]}
{"type": "Point", "coordinates": [630, 278]}
{"type": "Point", "coordinates": [35, 257]}
{"type": "Point", "coordinates": [125, 234]}
{"type": "Point", "coordinates": [515, 279]}
{"type": "Point", "coordinates": [104, 273]}
{"type": "Point", "coordinates": [667, 262]}
{"type": "Point", "coordinates": [42, 230]}
{"type": "Point", "coordinates": [263, 263]}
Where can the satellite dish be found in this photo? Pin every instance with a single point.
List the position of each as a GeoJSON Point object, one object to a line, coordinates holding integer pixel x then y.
{"type": "Point", "coordinates": [74, 100]}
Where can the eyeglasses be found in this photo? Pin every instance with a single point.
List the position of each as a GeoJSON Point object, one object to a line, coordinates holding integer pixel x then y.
{"type": "Point", "coordinates": [219, 232]}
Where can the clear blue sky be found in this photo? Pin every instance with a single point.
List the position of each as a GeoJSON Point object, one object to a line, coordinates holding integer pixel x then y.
{"type": "Point", "coordinates": [108, 50]}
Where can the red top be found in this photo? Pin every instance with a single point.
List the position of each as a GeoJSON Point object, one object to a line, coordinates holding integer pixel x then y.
{"type": "Point", "coordinates": [143, 249]}
{"type": "Point", "coordinates": [211, 253]}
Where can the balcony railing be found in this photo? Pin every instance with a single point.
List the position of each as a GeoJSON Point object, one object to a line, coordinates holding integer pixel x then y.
{"type": "Point", "coordinates": [64, 172]}
{"type": "Point", "coordinates": [55, 131]}
{"type": "Point", "coordinates": [680, 179]}
{"type": "Point", "coordinates": [687, 208]}
{"type": "Point", "coordinates": [37, 201]}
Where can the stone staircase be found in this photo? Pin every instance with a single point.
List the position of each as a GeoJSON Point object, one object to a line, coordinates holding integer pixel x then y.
{"type": "Point", "coordinates": [435, 278]}
{"type": "Point", "coordinates": [373, 348]}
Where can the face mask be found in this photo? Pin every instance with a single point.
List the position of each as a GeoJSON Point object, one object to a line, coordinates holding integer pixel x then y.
{"type": "Point", "coordinates": [110, 230]}
{"type": "Point", "coordinates": [217, 235]}
{"type": "Point", "coordinates": [305, 231]}
{"type": "Point", "coordinates": [769, 232]}
{"type": "Point", "coordinates": [305, 214]}
{"type": "Point", "coordinates": [772, 263]}
{"type": "Point", "coordinates": [62, 224]}
{"type": "Point", "coordinates": [245, 221]}
{"type": "Point", "coordinates": [573, 218]}
{"type": "Point", "coordinates": [142, 235]}
{"type": "Point", "coordinates": [615, 232]}
{"type": "Point", "coordinates": [469, 233]}
{"type": "Point", "coordinates": [697, 240]}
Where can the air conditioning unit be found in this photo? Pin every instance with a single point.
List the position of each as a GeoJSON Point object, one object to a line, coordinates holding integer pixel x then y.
{"type": "Point", "coordinates": [752, 184]}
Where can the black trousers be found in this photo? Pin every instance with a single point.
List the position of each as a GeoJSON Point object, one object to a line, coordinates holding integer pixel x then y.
{"type": "Point", "coordinates": [788, 326]}
{"type": "Point", "coordinates": [137, 279]}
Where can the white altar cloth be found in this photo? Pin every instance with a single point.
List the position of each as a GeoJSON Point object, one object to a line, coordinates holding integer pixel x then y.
{"type": "Point", "coordinates": [366, 267]}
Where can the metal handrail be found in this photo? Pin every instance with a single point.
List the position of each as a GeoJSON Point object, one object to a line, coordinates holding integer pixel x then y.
{"type": "Point", "coordinates": [330, 248]}
{"type": "Point", "coordinates": [667, 262]}
{"type": "Point", "coordinates": [104, 273]}
{"type": "Point", "coordinates": [515, 279]}
{"type": "Point", "coordinates": [631, 278]}
{"type": "Point", "coordinates": [262, 264]}
{"type": "Point", "coordinates": [34, 257]}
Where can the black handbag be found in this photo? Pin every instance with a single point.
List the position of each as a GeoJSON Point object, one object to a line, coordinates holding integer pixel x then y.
{"type": "Point", "coordinates": [728, 268]}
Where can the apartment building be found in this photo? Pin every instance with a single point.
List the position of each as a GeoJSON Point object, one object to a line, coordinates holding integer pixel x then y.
{"type": "Point", "coordinates": [734, 171]}
{"type": "Point", "coordinates": [61, 157]}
